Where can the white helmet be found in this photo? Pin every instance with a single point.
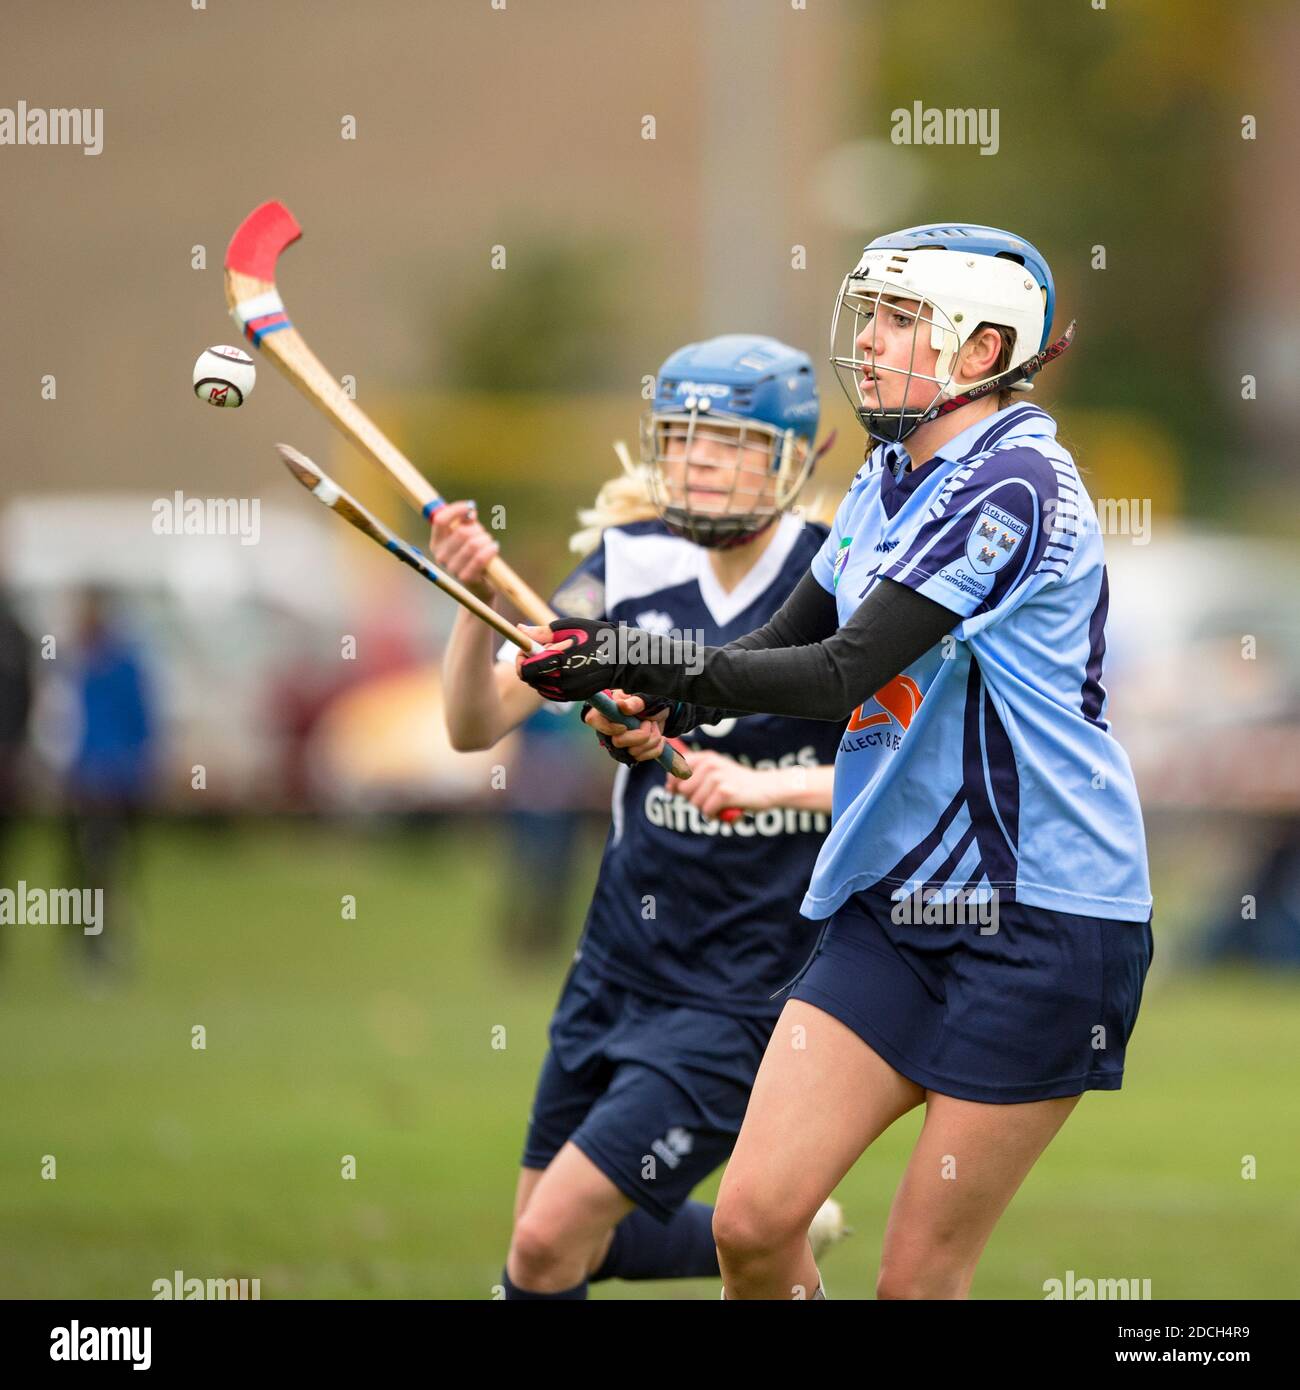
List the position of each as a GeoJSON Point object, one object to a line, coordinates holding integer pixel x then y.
{"type": "Point", "coordinates": [963, 276]}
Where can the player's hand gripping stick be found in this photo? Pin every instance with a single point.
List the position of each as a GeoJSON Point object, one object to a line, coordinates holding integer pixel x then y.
{"type": "Point", "coordinates": [328, 492]}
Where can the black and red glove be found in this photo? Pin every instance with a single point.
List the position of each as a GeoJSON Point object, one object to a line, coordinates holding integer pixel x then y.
{"type": "Point", "coordinates": [589, 665]}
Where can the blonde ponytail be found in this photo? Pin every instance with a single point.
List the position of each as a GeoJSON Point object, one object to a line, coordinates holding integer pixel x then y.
{"type": "Point", "coordinates": [621, 499]}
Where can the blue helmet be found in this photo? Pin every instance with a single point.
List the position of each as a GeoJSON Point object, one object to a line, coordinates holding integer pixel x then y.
{"type": "Point", "coordinates": [949, 278]}
{"type": "Point", "coordinates": [744, 409]}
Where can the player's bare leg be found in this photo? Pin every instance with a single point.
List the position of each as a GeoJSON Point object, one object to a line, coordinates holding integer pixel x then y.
{"type": "Point", "coordinates": [969, 1160]}
{"type": "Point", "coordinates": [524, 1189]}
{"type": "Point", "coordinates": [566, 1223]}
{"type": "Point", "coordinates": [527, 1185]}
{"type": "Point", "coordinates": [820, 1098]}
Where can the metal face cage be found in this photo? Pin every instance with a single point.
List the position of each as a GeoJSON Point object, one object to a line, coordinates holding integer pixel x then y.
{"type": "Point", "coordinates": [860, 303]}
{"type": "Point", "coordinates": [720, 479]}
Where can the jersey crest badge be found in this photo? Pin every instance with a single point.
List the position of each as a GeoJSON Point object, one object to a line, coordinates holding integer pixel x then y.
{"type": "Point", "coordinates": [582, 597]}
{"type": "Point", "coordinates": [841, 559]}
{"type": "Point", "coordinates": [994, 539]}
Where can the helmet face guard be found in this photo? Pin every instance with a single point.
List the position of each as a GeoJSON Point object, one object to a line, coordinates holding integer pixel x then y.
{"type": "Point", "coordinates": [862, 302]}
{"type": "Point", "coordinates": [718, 479]}
{"type": "Point", "coordinates": [947, 281]}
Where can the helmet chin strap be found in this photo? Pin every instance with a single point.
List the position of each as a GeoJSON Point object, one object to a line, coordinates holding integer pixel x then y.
{"type": "Point", "coordinates": [699, 531]}
{"type": "Point", "coordinates": [1030, 367]}
{"type": "Point", "coordinates": [746, 538]}
{"type": "Point", "coordinates": [1023, 372]}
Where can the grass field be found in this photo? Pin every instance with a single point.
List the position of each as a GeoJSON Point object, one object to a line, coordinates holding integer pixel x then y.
{"type": "Point", "coordinates": [374, 1038]}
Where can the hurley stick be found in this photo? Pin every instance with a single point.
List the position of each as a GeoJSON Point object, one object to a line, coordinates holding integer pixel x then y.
{"type": "Point", "coordinates": [256, 306]}
{"type": "Point", "coordinates": [327, 491]}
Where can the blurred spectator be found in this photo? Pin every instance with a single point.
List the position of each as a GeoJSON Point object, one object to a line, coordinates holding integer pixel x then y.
{"type": "Point", "coordinates": [1271, 936]}
{"type": "Point", "coordinates": [547, 785]}
{"type": "Point", "coordinates": [110, 773]}
{"type": "Point", "coordinates": [15, 704]}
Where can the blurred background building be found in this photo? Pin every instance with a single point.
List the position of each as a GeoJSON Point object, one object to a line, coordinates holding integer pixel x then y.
{"type": "Point", "coordinates": [497, 261]}
{"type": "Point", "coordinates": [497, 257]}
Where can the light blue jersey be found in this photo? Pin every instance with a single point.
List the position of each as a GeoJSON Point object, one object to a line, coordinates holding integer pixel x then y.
{"type": "Point", "coordinates": [987, 764]}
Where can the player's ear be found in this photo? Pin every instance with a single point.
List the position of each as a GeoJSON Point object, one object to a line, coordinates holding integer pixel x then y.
{"type": "Point", "coordinates": [982, 350]}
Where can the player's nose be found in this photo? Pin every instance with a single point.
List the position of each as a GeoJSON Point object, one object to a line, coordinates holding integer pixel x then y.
{"type": "Point", "coordinates": [705, 475]}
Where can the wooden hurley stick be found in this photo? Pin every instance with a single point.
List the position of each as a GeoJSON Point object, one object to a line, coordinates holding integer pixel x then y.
{"type": "Point", "coordinates": [257, 308]}
{"type": "Point", "coordinates": [326, 490]}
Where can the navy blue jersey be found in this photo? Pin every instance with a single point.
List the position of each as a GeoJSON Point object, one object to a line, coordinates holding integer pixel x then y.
{"type": "Point", "coordinates": [686, 909]}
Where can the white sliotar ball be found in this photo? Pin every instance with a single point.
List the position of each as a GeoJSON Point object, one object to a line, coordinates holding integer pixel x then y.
{"type": "Point", "coordinates": [224, 376]}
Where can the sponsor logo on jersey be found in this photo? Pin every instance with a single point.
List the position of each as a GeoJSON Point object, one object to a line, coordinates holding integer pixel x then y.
{"type": "Point", "coordinates": [655, 620]}
{"type": "Point", "coordinates": [884, 547]}
{"type": "Point", "coordinates": [994, 539]}
{"type": "Point", "coordinates": [841, 559]}
{"type": "Point", "coordinates": [899, 700]}
{"type": "Point", "coordinates": [678, 814]}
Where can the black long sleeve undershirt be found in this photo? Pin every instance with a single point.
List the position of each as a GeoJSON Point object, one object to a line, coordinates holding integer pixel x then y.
{"type": "Point", "coordinates": [801, 663]}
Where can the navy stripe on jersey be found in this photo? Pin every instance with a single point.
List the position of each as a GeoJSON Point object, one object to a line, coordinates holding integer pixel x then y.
{"type": "Point", "coordinates": [949, 866]}
{"type": "Point", "coordinates": [979, 879]}
{"type": "Point", "coordinates": [997, 851]}
{"type": "Point", "coordinates": [1062, 519]}
{"type": "Point", "coordinates": [895, 490]}
{"type": "Point", "coordinates": [908, 865]}
{"type": "Point", "coordinates": [1093, 693]}
{"type": "Point", "coordinates": [1005, 425]}
{"type": "Point", "coordinates": [1000, 764]}
{"type": "Point", "coordinates": [1020, 481]}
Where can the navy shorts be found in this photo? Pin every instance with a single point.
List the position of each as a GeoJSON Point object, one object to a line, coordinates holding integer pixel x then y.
{"type": "Point", "coordinates": [1041, 1007]}
{"type": "Point", "coordinates": [652, 1092]}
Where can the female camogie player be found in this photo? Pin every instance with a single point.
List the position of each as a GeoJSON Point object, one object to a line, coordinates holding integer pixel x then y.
{"type": "Point", "coordinates": [694, 926]}
{"type": "Point", "coordinates": [985, 884]}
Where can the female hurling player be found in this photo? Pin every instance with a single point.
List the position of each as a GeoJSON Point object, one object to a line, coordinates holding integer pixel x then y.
{"type": "Point", "coordinates": [694, 925]}
{"type": "Point", "coordinates": [984, 886]}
